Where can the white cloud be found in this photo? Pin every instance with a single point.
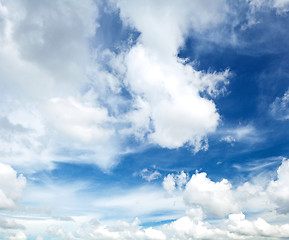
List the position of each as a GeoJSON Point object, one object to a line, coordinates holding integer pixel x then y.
{"type": "Point", "coordinates": [247, 134]}
{"type": "Point", "coordinates": [169, 184]}
{"type": "Point", "coordinates": [47, 53]}
{"type": "Point", "coordinates": [216, 198]}
{"type": "Point", "coordinates": [171, 181]}
{"type": "Point", "coordinates": [163, 26]}
{"type": "Point", "coordinates": [43, 93]}
{"type": "Point", "coordinates": [257, 198]}
{"type": "Point", "coordinates": [54, 64]}
{"type": "Point", "coordinates": [278, 190]}
{"type": "Point", "coordinates": [10, 224]}
{"type": "Point", "coordinates": [150, 175]}
{"type": "Point", "coordinates": [169, 88]}
{"type": "Point", "coordinates": [18, 236]}
{"type": "Point", "coordinates": [257, 228]}
{"type": "Point", "coordinates": [282, 6]}
{"type": "Point", "coordinates": [280, 107]}
{"type": "Point", "coordinates": [79, 121]}
{"type": "Point", "coordinates": [187, 228]}
{"type": "Point", "coordinates": [140, 202]}
{"type": "Point", "coordinates": [11, 186]}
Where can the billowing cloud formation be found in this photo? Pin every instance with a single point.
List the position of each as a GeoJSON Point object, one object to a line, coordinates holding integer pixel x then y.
{"type": "Point", "coordinates": [245, 211]}
{"type": "Point", "coordinates": [205, 198]}
{"type": "Point", "coordinates": [47, 45]}
{"type": "Point", "coordinates": [169, 88]}
{"type": "Point", "coordinates": [215, 198]}
{"type": "Point", "coordinates": [278, 190]}
{"type": "Point", "coordinates": [60, 97]}
{"type": "Point", "coordinates": [11, 186]}
{"type": "Point", "coordinates": [171, 92]}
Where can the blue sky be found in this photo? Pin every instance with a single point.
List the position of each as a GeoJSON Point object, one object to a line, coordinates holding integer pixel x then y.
{"type": "Point", "coordinates": [144, 120]}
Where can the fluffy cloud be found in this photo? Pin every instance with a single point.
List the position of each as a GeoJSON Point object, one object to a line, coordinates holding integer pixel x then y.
{"type": "Point", "coordinates": [172, 111]}
{"type": "Point", "coordinates": [280, 107]}
{"type": "Point", "coordinates": [187, 228]}
{"type": "Point", "coordinates": [171, 90]}
{"type": "Point", "coordinates": [169, 184]}
{"type": "Point", "coordinates": [171, 181]}
{"type": "Point", "coordinates": [48, 51]}
{"type": "Point", "coordinates": [163, 26]}
{"type": "Point", "coordinates": [64, 94]}
{"type": "Point", "coordinates": [257, 228]}
{"type": "Point", "coordinates": [122, 230]}
{"type": "Point", "coordinates": [45, 110]}
{"type": "Point", "coordinates": [278, 190]}
{"type": "Point", "coordinates": [11, 186]}
{"type": "Point", "coordinates": [246, 211]}
{"type": "Point", "coordinates": [47, 45]}
{"type": "Point", "coordinates": [215, 198]}
{"type": "Point", "coordinates": [18, 236]}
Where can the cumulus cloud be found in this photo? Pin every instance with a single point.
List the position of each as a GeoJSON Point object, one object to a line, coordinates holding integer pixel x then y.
{"type": "Point", "coordinates": [216, 198]}
{"type": "Point", "coordinates": [214, 210]}
{"type": "Point", "coordinates": [219, 199]}
{"type": "Point", "coordinates": [173, 181]}
{"type": "Point", "coordinates": [175, 114]}
{"type": "Point", "coordinates": [278, 189]}
{"type": "Point", "coordinates": [46, 105]}
{"type": "Point", "coordinates": [186, 228]}
{"type": "Point", "coordinates": [71, 91]}
{"type": "Point", "coordinates": [11, 186]}
{"type": "Point", "coordinates": [48, 47]}
{"type": "Point", "coordinates": [257, 228]}
{"type": "Point", "coordinates": [169, 184]}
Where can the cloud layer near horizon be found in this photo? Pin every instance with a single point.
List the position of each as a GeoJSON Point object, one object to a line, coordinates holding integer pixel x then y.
{"type": "Point", "coordinates": [203, 197]}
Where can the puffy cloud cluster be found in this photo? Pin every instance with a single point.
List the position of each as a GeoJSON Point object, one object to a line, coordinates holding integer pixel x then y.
{"type": "Point", "coordinates": [219, 199]}
{"type": "Point", "coordinates": [64, 94]}
{"type": "Point", "coordinates": [215, 198]}
{"type": "Point", "coordinates": [278, 190]}
{"type": "Point", "coordinates": [11, 187]}
{"type": "Point", "coordinates": [166, 90]}
{"type": "Point", "coordinates": [42, 108]}
{"type": "Point", "coordinates": [214, 210]}
{"type": "Point", "coordinates": [170, 92]}
{"type": "Point", "coordinates": [257, 228]}
{"type": "Point", "coordinates": [171, 181]}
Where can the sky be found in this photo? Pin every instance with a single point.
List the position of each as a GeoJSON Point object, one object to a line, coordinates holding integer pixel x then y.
{"type": "Point", "coordinates": [144, 120]}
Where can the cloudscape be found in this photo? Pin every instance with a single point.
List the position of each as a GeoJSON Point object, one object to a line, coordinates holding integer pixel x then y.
{"type": "Point", "coordinates": [144, 120]}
